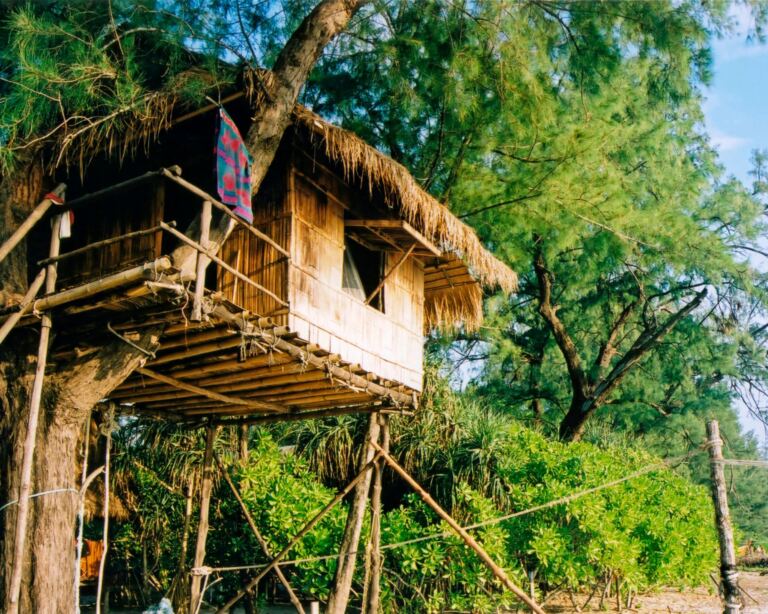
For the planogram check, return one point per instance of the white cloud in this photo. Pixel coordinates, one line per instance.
(727, 142)
(732, 49)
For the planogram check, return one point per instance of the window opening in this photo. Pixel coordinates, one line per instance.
(362, 273)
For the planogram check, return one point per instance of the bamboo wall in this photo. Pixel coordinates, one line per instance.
(388, 344)
(121, 213)
(259, 260)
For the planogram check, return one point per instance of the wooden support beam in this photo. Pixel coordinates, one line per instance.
(465, 536)
(397, 225)
(193, 337)
(342, 582)
(254, 384)
(227, 343)
(394, 268)
(208, 393)
(150, 269)
(296, 538)
(257, 534)
(206, 487)
(244, 278)
(27, 225)
(202, 262)
(728, 572)
(254, 373)
(227, 211)
(308, 415)
(25, 306)
(340, 373)
(25, 480)
(217, 364)
(117, 187)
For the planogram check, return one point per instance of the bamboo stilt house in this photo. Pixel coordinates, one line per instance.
(320, 304)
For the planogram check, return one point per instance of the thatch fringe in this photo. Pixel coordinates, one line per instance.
(446, 308)
(373, 170)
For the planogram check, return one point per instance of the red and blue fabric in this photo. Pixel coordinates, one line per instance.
(233, 166)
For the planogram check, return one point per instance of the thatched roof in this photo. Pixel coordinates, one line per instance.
(362, 164)
(372, 169)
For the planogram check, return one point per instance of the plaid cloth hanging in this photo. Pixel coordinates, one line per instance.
(233, 166)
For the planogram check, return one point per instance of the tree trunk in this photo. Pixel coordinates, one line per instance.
(573, 423)
(242, 443)
(291, 69)
(18, 199)
(337, 602)
(68, 397)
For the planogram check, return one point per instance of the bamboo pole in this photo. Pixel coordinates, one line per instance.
(81, 511)
(104, 243)
(105, 534)
(375, 561)
(311, 415)
(209, 393)
(342, 582)
(25, 481)
(202, 262)
(194, 244)
(466, 537)
(228, 212)
(297, 353)
(259, 538)
(34, 217)
(728, 572)
(394, 268)
(24, 307)
(107, 283)
(128, 183)
(206, 487)
(296, 538)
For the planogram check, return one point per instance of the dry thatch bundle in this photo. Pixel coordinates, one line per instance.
(370, 168)
(458, 302)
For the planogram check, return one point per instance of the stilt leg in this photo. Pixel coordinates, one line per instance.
(373, 551)
(206, 487)
(296, 538)
(337, 603)
(22, 515)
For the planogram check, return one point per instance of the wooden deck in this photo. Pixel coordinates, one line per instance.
(216, 360)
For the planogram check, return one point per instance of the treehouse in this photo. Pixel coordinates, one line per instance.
(316, 300)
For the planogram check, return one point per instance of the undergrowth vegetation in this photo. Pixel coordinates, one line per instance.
(653, 529)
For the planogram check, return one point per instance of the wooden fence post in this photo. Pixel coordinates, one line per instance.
(206, 486)
(728, 573)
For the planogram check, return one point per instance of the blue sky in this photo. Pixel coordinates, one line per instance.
(736, 113)
(736, 108)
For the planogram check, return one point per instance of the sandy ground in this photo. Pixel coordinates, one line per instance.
(671, 601)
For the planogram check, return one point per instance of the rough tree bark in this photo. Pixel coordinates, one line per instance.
(590, 390)
(69, 396)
